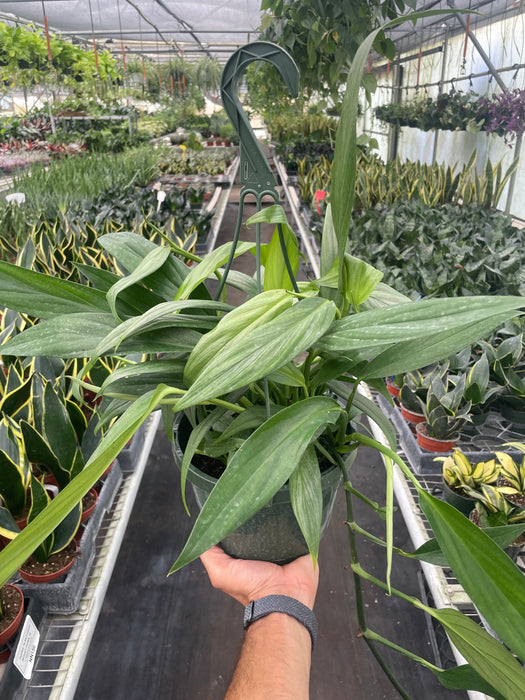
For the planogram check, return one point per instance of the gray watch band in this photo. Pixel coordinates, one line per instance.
(282, 604)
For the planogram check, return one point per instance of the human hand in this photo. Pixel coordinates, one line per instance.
(247, 580)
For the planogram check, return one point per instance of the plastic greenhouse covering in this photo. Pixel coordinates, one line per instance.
(192, 28)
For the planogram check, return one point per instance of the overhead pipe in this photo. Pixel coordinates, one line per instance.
(493, 70)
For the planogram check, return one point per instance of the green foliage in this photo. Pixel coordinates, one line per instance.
(323, 37)
(24, 59)
(207, 161)
(65, 184)
(446, 250)
(459, 472)
(446, 410)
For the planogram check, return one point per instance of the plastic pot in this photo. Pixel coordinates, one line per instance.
(52, 576)
(12, 629)
(433, 444)
(464, 504)
(412, 416)
(272, 534)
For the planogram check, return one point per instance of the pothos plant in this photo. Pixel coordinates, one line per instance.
(295, 343)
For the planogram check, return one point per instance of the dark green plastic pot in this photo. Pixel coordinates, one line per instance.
(272, 534)
(462, 503)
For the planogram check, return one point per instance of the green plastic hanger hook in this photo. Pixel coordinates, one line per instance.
(255, 173)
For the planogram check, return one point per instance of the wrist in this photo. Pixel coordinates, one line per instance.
(283, 605)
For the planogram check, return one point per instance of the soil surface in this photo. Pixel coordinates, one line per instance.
(53, 564)
(517, 498)
(11, 603)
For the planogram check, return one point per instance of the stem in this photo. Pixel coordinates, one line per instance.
(388, 673)
(175, 248)
(286, 258)
(391, 645)
(373, 504)
(356, 568)
(353, 549)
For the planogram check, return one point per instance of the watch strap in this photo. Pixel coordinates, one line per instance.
(281, 604)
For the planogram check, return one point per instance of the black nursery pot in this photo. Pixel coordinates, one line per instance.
(272, 534)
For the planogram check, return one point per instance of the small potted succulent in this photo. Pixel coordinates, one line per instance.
(446, 413)
(511, 481)
(414, 390)
(494, 510)
(460, 475)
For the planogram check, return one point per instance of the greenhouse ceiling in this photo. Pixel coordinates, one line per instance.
(159, 28)
(214, 28)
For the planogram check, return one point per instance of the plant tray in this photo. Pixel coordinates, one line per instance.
(478, 443)
(12, 682)
(63, 596)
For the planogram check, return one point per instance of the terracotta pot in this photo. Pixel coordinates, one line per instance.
(47, 578)
(87, 512)
(272, 534)
(433, 444)
(412, 416)
(12, 629)
(392, 388)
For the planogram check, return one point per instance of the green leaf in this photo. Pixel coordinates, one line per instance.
(464, 677)
(44, 296)
(58, 429)
(13, 486)
(485, 654)
(307, 499)
(431, 552)
(417, 333)
(209, 265)
(151, 263)
(130, 249)
(39, 452)
(234, 326)
(487, 574)
(162, 316)
(361, 280)
(131, 381)
(263, 350)
(276, 275)
(288, 375)
(17, 551)
(257, 471)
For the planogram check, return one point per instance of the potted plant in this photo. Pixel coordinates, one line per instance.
(494, 510)
(446, 412)
(297, 343)
(479, 391)
(459, 475)
(11, 614)
(414, 390)
(511, 481)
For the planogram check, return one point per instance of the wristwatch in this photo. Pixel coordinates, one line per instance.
(281, 604)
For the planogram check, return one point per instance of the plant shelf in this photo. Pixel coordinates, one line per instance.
(65, 639)
(444, 589)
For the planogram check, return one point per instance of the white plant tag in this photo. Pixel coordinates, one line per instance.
(25, 654)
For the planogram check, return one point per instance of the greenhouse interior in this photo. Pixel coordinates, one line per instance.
(289, 222)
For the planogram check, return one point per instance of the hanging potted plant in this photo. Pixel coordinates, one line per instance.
(446, 413)
(301, 341)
